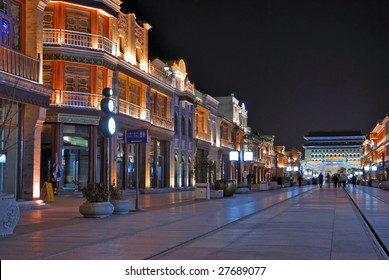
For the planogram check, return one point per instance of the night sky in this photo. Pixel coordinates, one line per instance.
(297, 65)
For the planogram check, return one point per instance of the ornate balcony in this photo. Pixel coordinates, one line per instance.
(203, 136)
(227, 144)
(189, 87)
(160, 75)
(18, 64)
(134, 111)
(162, 122)
(61, 37)
(78, 100)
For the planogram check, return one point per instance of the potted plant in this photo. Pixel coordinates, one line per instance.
(121, 205)
(96, 204)
(228, 186)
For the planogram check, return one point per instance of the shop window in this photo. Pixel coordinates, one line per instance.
(10, 17)
(134, 93)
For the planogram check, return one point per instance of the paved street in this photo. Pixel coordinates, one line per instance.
(291, 223)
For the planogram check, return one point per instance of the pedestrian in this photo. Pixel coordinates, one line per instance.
(300, 179)
(343, 180)
(328, 179)
(321, 179)
(354, 180)
(335, 179)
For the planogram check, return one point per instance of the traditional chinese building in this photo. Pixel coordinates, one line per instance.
(333, 151)
(23, 98)
(376, 151)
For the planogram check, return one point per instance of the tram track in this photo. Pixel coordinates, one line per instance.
(380, 244)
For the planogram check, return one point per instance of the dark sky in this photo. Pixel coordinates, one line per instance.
(297, 65)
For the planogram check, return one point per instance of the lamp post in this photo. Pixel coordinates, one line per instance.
(383, 166)
(108, 127)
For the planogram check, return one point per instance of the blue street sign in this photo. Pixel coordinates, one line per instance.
(136, 136)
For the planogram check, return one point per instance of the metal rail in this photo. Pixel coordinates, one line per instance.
(375, 236)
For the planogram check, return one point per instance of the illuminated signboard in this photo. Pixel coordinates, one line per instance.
(248, 156)
(234, 156)
(3, 158)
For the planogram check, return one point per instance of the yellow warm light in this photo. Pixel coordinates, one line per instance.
(57, 98)
(143, 115)
(143, 67)
(130, 58)
(36, 191)
(80, 6)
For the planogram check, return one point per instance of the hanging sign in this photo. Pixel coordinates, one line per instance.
(136, 136)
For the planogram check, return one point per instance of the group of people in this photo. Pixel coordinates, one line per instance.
(338, 180)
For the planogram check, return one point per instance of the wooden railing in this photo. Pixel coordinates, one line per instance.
(18, 64)
(61, 37)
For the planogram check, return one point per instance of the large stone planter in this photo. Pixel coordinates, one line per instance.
(263, 186)
(217, 193)
(384, 185)
(242, 190)
(9, 214)
(228, 186)
(121, 206)
(96, 209)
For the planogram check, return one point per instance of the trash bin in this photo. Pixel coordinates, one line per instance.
(202, 191)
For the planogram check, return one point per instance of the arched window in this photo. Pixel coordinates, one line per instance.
(176, 122)
(190, 128)
(183, 126)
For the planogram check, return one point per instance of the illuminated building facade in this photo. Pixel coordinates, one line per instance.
(86, 48)
(333, 151)
(184, 115)
(375, 156)
(236, 114)
(75, 50)
(23, 99)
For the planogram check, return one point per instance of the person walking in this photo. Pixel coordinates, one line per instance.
(328, 179)
(354, 181)
(321, 179)
(335, 179)
(342, 180)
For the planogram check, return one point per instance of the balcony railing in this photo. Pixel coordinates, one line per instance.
(189, 87)
(71, 99)
(61, 37)
(80, 100)
(162, 122)
(227, 144)
(18, 64)
(161, 75)
(134, 111)
(203, 136)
